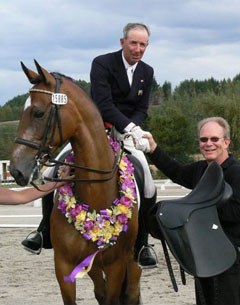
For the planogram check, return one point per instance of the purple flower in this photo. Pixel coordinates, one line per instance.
(70, 158)
(86, 236)
(66, 189)
(115, 145)
(116, 201)
(126, 201)
(100, 241)
(122, 218)
(74, 212)
(88, 225)
(128, 183)
(62, 206)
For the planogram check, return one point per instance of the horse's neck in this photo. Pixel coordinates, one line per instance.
(94, 151)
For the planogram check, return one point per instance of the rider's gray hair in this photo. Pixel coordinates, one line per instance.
(220, 121)
(131, 26)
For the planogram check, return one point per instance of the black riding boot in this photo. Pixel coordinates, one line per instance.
(142, 248)
(40, 238)
(149, 209)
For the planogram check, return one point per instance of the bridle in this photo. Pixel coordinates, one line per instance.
(54, 122)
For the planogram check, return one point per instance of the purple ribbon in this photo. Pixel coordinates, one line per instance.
(84, 264)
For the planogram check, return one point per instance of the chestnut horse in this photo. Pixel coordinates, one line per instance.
(56, 111)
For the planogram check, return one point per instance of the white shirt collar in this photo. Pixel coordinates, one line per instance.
(126, 64)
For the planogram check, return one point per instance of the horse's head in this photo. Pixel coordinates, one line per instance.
(42, 125)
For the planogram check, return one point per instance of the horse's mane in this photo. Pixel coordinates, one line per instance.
(65, 76)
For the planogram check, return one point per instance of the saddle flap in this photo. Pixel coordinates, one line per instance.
(201, 247)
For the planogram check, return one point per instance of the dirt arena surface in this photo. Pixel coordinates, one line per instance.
(27, 279)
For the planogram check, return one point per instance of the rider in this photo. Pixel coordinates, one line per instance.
(120, 87)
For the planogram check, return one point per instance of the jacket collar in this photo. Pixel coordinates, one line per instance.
(120, 74)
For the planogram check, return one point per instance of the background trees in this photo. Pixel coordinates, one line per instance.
(173, 114)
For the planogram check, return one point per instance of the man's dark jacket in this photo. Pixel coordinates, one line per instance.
(119, 103)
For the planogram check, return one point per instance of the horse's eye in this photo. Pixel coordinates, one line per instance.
(38, 114)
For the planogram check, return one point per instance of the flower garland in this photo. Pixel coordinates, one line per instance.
(104, 226)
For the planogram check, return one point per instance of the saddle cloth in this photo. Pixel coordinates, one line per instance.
(192, 230)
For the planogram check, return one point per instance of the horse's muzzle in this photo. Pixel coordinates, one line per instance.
(19, 177)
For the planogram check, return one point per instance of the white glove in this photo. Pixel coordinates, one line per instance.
(140, 142)
(137, 132)
(143, 145)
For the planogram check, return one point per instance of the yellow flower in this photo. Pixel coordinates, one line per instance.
(117, 228)
(71, 202)
(81, 216)
(122, 165)
(106, 223)
(122, 209)
(108, 230)
(107, 236)
(96, 230)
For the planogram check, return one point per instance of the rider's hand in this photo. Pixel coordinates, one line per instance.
(140, 142)
(137, 132)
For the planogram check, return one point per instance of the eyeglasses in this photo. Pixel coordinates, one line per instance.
(212, 139)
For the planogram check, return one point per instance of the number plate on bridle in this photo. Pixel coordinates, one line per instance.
(59, 99)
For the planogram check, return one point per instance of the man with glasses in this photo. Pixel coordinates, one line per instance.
(120, 86)
(214, 141)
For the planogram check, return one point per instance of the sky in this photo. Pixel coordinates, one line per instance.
(190, 39)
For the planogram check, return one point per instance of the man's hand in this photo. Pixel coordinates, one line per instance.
(152, 144)
(140, 142)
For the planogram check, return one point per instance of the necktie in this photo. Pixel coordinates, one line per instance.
(130, 75)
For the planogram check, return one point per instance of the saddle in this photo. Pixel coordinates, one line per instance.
(192, 230)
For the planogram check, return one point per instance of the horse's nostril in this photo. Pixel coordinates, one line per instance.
(18, 176)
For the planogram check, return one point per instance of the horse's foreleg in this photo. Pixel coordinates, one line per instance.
(96, 274)
(68, 290)
(115, 274)
(131, 293)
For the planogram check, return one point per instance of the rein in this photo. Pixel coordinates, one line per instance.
(117, 159)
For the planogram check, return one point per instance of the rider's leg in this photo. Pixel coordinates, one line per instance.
(145, 257)
(40, 238)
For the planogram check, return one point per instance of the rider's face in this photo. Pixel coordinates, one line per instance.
(134, 45)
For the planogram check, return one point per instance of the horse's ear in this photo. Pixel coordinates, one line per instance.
(44, 74)
(32, 76)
